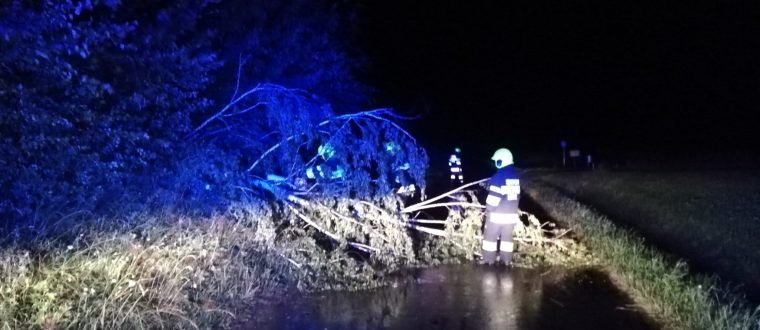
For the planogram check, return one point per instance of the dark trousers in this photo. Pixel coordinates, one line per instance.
(498, 232)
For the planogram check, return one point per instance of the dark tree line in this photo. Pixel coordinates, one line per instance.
(102, 101)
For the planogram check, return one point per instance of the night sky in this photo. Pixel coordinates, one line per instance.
(607, 76)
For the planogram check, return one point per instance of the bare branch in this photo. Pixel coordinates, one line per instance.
(270, 150)
(225, 108)
(436, 232)
(429, 206)
(239, 70)
(348, 118)
(246, 109)
(363, 247)
(418, 205)
(374, 207)
(396, 126)
(235, 100)
(313, 224)
(427, 221)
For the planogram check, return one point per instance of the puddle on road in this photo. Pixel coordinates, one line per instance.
(466, 297)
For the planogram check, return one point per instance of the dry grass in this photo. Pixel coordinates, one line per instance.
(164, 273)
(537, 244)
(182, 272)
(547, 244)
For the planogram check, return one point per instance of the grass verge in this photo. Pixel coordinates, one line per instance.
(163, 273)
(174, 271)
(664, 288)
(709, 218)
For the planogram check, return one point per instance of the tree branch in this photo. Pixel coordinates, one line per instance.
(429, 206)
(418, 205)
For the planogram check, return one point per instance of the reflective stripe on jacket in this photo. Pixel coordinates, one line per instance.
(503, 191)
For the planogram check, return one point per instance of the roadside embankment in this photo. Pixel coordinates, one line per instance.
(174, 270)
(664, 288)
(171, 271)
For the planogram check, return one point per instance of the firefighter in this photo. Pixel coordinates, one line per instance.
(402, 180)
(501, 208)
(329, 166)
(455, 167)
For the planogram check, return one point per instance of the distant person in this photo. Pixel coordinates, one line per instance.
(501, 209)
(589, 162)
(455, 167)
(456, 178)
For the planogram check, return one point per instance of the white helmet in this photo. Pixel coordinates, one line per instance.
(503, 155)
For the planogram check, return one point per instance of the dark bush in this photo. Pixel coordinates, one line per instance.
(95, 104)
(99, 100)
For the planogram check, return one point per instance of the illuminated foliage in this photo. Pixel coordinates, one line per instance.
(108, 114)
(99, 97)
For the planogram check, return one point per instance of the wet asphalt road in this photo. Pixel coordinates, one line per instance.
(466, 297)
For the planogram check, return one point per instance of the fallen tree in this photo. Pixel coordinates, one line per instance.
(345, 183)
(338, 174)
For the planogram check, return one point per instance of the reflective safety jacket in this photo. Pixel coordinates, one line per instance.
(455, 167)
(329, 169)
(503, 191)
(403, 181)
